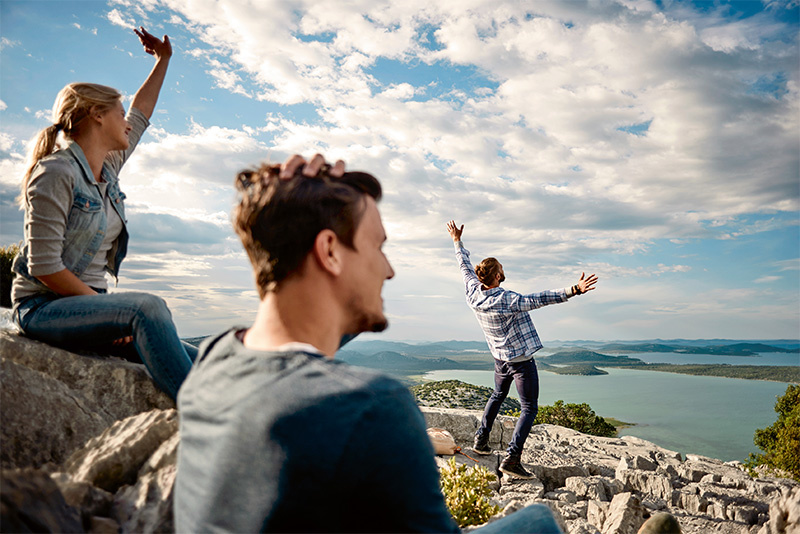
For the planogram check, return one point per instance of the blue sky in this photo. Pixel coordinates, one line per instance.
(653, 143)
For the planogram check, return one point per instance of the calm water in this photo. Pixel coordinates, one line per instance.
(711, 416)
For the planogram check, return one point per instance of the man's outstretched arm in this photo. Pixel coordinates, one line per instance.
(462, 255)
(519, 303)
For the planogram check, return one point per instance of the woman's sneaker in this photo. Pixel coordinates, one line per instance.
(481, 445)
(513, 466)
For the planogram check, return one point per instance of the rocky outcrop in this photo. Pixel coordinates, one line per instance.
(54, 400)
(104, 471)
(612, 485)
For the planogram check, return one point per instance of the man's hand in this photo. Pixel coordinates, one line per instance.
(586, 284)
(153, 45)
(310, 168)
(454, 231)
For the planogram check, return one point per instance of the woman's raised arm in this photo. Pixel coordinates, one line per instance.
(147, 95)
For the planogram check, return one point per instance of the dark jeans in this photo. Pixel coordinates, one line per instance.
(93, 322)
(526, 378)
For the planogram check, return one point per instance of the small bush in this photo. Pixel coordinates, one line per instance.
(466, 493)
(578, 417)
(6, 275)
(781, 441)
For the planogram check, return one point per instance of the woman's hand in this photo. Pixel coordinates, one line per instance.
(153, 45)
(146, 97)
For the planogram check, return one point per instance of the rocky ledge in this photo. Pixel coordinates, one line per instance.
(89, 445)
(612, 485)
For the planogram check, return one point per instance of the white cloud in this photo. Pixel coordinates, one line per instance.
(3, 106)
(7, 43)
(118, 19)
(563, 93)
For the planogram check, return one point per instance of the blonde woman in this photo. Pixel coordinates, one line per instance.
(75, 230)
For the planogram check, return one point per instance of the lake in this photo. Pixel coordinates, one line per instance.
(710, 416)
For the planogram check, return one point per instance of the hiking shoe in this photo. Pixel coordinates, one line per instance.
(513, 467)
(481, 445)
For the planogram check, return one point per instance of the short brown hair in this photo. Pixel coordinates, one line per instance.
(487, 270)
(278, 220)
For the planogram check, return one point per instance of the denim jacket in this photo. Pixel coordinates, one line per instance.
(86, 220)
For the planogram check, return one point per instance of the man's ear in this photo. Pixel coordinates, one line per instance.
(328, 252)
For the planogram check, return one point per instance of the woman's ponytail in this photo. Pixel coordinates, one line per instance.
(74, 103)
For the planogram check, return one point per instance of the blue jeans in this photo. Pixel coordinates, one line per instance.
(533, 519)
(93, 322)
(526, 378)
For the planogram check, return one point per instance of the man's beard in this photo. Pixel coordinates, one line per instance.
(364, 321)
(370, 323)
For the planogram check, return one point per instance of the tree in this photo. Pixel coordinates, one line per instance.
(578, 417)
(781, 441)
(6, 275)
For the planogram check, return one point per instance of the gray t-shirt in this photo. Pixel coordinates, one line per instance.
(295, 442)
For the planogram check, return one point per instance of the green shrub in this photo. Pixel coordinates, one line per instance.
(781, 441)
(578, 417)
(466, 493)
(6, 275)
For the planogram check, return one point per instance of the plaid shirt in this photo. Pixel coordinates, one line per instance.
(503, 315)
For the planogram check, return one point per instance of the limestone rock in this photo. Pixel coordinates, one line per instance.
(30, 501)
(581, 526)
(117, 387)
(146, 506)
(42, 420)
(55, 400)
(462, 424)
(647, 482)
(588, 488)
(90, 500)
(115, 457)
(625, 515)
(596, 513)
(784, 513)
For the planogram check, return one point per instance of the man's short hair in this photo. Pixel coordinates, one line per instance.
(487, 270)
(279, 220)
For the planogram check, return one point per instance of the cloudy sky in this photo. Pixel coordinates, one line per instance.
(654, 143)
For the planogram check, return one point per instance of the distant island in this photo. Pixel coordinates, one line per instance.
(736, 349)
(576, 360)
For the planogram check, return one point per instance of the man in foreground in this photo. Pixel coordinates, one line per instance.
(275, 434)
(512, 339)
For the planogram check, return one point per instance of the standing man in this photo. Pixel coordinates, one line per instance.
(277, 436)
(512, 339)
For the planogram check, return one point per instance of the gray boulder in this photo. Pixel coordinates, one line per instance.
(54, 400)
(114, 458)
(30, 501)
(42, 419)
